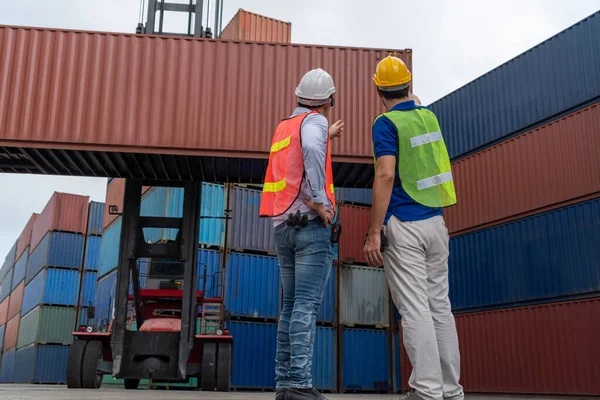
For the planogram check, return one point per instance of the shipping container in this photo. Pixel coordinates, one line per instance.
(549, 166)
(327, 309)
(65, 213)
(11, 333)
(252, 286)
(4, 311)
(2, 329)
(253, 361)
(213, 204)
(47, 325)
(538, 258)
(9, 261)
(105, 298)
(92, 253)
(248, 26)
(247, 230)
(57, 249)
(95, 218)
(16, 300)
(365, 360)
(20, 269)
(6, 286)
(364, 298)
(543, 349)
(41, 364)
(526, 90)
(7, 367)
(114, 112)
(52, 287)
(109, 249)
(211, 259)
(25, 236)
(153, 205)
(355, 225)
(88, 289)
(324, 363)
(397, 378)
(354, 196)
(115, 191)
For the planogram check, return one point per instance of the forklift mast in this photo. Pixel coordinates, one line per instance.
(193, 9)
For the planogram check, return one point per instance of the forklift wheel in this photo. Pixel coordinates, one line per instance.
(132, 384)
(75, 363)
(224, 367)
(90, 378)
(209, 367)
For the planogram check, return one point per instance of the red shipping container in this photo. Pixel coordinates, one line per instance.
(545, 349)
(249, 26)
(547, 168)
(16, 300)
(25, 236)
(355, 225)
(64, 212)
(114, 196)
(4, 311)
(11, 333)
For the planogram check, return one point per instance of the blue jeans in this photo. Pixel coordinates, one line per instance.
(305, 258)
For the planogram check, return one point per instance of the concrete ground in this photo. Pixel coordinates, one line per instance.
(43, 392)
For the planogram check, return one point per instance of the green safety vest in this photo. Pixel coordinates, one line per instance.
(423, 165)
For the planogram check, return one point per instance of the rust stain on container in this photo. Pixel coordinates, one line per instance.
(4, 311)
(12, 333)
(545, 349)
(25, 236)
(537, 171)
(16, 300)
(248, 26)
(89, 91)
(355, 225)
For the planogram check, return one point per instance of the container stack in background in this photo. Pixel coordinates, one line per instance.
(524, 254)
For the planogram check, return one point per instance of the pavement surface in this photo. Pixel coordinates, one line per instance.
(47, 392)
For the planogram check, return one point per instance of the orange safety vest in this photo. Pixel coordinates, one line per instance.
(286, 169)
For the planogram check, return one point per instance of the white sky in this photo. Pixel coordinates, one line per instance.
(453, 42)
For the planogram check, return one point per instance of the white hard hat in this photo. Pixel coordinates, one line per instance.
(315, 88)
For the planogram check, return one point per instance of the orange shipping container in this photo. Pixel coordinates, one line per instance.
(11, 333)
(248, 26)
(114, 197)
(540, 170)
(4, 311)
(25, 237)
(16, 300)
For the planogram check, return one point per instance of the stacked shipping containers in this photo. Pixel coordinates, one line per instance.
(524, 234)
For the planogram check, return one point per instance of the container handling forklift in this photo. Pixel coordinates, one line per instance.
(165, 347)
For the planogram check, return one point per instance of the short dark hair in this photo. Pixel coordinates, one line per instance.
(310, 107)
(396, 94)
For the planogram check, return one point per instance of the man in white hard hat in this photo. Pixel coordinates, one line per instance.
(298, 195)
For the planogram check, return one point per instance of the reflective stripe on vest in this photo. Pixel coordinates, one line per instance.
(423, 162)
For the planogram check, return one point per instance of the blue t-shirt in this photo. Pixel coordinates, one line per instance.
(385, 143)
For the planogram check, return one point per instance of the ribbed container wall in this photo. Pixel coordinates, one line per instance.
(11, 333)
(363, 296)
(324, 371)
(526, 90)
(247, 25)
(354, 196)
(20, 269)
(548, 167)
(88, 290)
(2, 330)
(397, 382)
(95, 218)
(252, 286)
(9, 261)
(247, 230)
(7, 366)
(327, 309)
(41, 364)
(115, 191)
(57, 249)
(16, 300)
(213, 204)
(253, 355)
(211, 259)
(109, 249)
(64, 212)
(25, 237)
(546, 349)
(355, 225)
(153, 205)
(53, 287)
(6, 285)
(365, 360)
(47, 325)
(4, 311)
(105, 297)
(546, 256)
(92, 253)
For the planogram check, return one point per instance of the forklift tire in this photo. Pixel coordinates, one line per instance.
(75, 363)
(132, 384)
(209, 367)
(90, 378)
(224, 368)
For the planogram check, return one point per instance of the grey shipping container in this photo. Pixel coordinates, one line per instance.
(364, 296)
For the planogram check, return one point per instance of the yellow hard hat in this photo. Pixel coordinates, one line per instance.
(391, 74)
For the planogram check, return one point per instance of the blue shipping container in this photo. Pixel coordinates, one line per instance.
(7, 366)
(397, 384)
(153, 205)
(247, 230)
(543, 257)
(6, 286)
(9, 261)
(92, 253)
(56, 249)
(20, 269)
(327, 309)
(252, 286)
(365, 360)
(526, 90)
(354, 196)
(2, 330)
(324, 359)
(211, 259)
(95, 218)
(88, 290)
(105, 298)
(109, 248)
(51, 287)
(253, 354)
(41, 364)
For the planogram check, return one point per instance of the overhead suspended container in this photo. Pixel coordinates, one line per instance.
(57, 249)
(248, 26)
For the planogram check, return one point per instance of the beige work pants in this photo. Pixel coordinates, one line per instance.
(416, 268)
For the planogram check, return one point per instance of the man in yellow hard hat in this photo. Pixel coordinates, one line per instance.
(413, 182)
